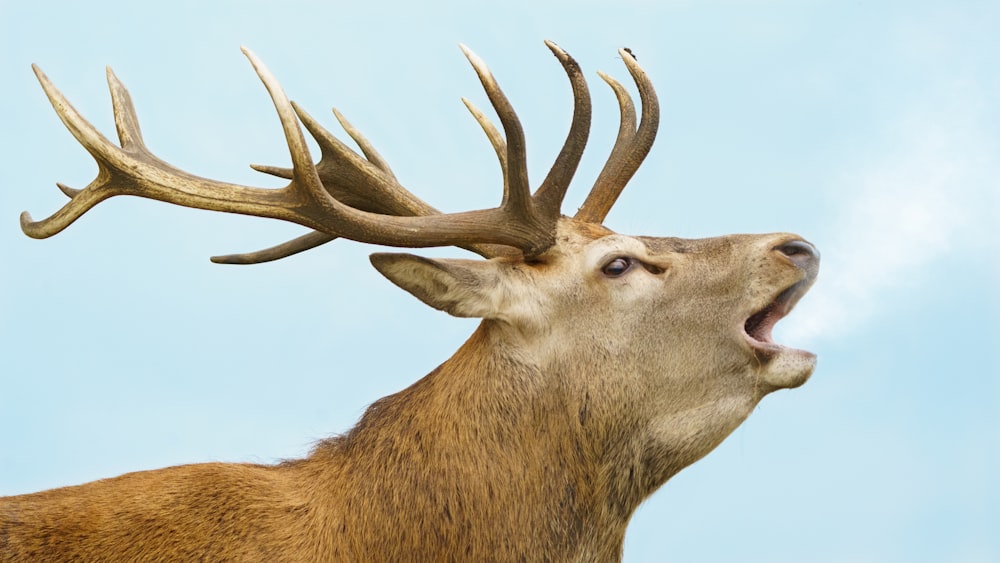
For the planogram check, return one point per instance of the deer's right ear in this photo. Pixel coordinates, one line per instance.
(463, 288)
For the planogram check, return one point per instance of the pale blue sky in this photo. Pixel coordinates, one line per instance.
(872, 129)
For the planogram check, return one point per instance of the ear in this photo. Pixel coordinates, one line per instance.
(463, 288)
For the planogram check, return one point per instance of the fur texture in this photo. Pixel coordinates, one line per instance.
(582, 391)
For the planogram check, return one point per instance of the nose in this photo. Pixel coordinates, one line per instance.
(801, 253)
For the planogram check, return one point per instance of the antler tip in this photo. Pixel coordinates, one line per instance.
(29, 227)
(66, 190)
(254, 60)
(472, 56)
(556, 49)
(277, 171)
(39, 74)
(112, 78)
(234, 259)
(610, 80)
(628, 57)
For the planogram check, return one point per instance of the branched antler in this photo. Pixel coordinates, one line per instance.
(359, 198)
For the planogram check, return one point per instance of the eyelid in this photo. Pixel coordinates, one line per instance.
(629, 263)
(614, 255)
(652, 268)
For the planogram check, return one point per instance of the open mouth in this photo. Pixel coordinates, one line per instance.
(758, 326)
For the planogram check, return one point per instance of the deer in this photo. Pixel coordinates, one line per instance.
(603, 364)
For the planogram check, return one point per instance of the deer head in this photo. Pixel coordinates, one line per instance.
(604, 364)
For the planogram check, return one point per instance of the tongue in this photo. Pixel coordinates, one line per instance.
(760, 324)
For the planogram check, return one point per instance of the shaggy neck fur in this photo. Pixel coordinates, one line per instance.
(486, 454)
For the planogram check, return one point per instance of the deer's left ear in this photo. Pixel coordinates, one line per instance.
(463, 288)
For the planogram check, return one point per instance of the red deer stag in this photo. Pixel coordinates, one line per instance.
(604, 363)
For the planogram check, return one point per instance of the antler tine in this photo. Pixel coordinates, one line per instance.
(627, 126)
(126, 121)
(631, 146)
(276, 171)
(496, 139)
(366, 147)
(304, 174)
(67, 191)
(517, 191)
(284, 250)
(550, 194)
(599, 201)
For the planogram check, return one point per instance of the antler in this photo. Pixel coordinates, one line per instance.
(345, 195)
(631, 146)
(399, 202)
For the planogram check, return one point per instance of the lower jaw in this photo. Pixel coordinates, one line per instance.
(786, 368)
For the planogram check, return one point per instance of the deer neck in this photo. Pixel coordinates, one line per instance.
(487, 438)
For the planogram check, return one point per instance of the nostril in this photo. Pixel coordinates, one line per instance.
(800, 252)
(796, 247)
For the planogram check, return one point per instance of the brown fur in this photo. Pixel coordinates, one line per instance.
(575, 399)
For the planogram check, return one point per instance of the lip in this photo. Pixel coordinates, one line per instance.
(758, 326)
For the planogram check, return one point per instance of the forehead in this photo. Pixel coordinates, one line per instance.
(577, 235)
(578, 232)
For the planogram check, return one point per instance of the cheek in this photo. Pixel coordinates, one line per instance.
(685, 332)
(535, 309)
(529, 316)
(637, 291)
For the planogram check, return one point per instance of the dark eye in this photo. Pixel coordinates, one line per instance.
(616, 267)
